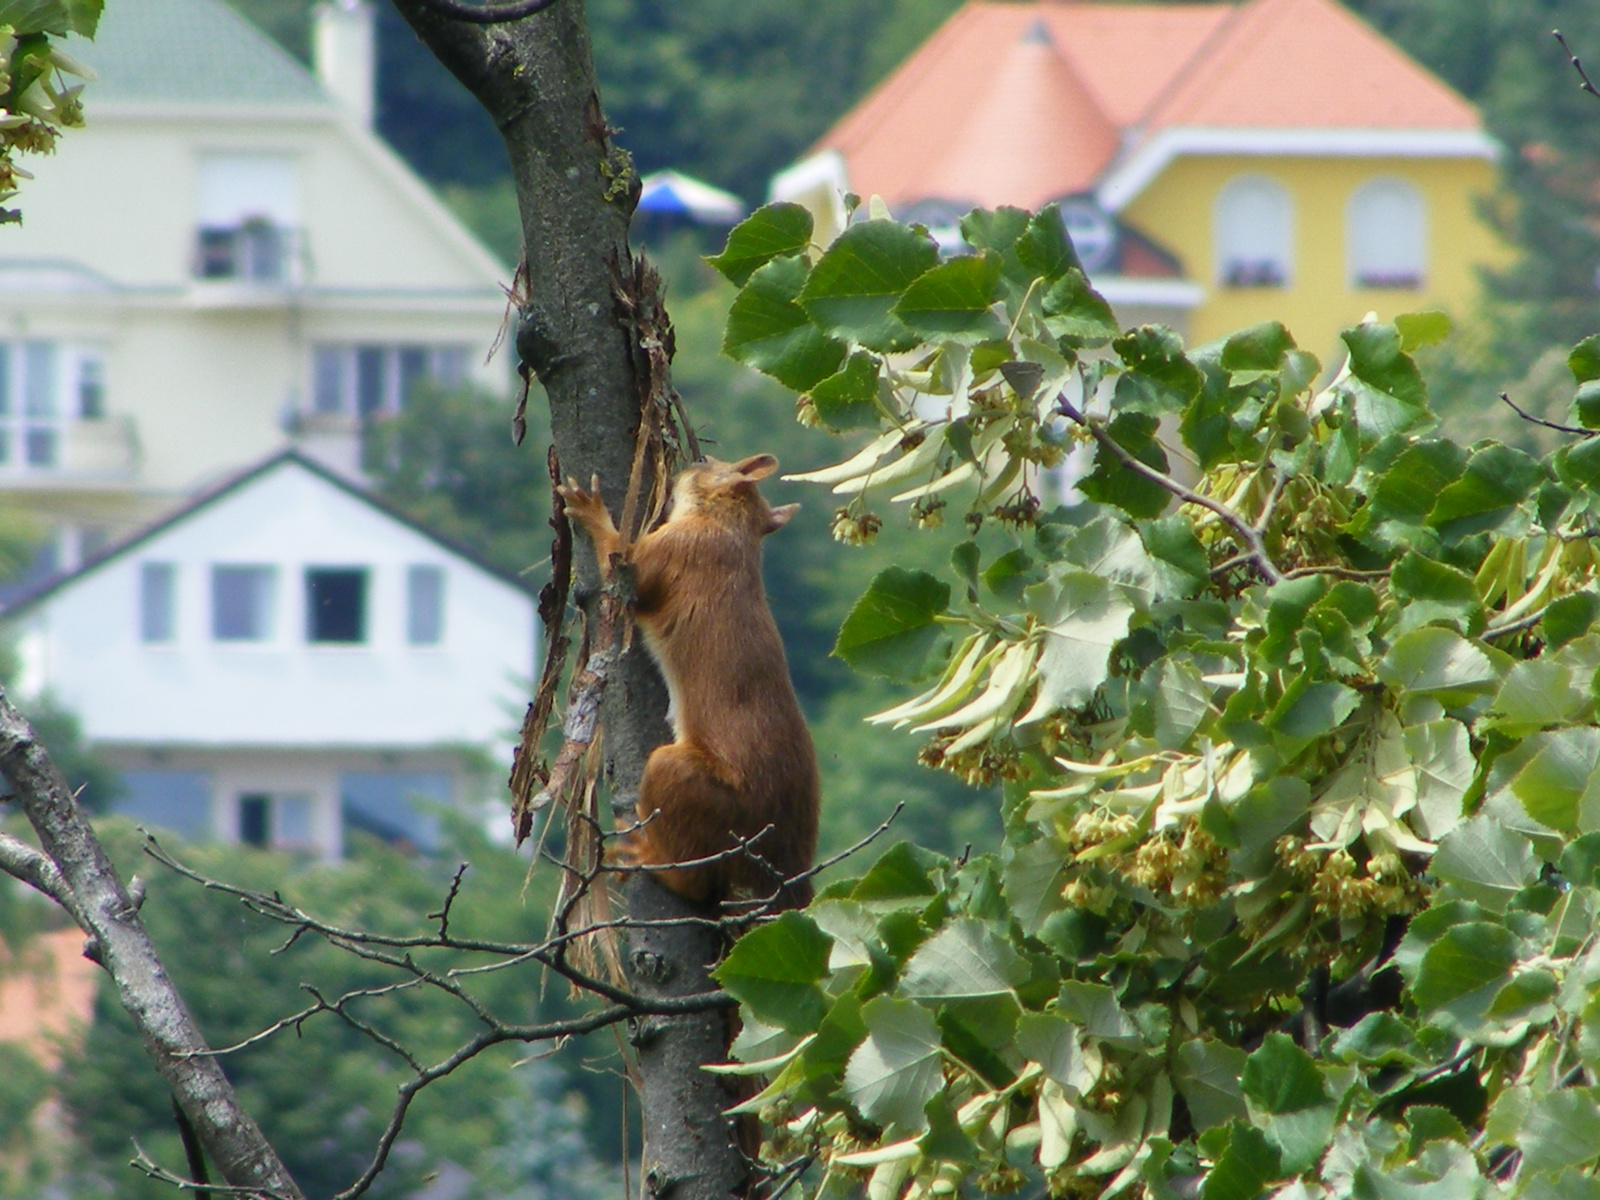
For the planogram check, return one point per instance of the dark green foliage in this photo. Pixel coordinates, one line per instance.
(322, 1094)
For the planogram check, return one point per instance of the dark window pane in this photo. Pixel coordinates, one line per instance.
(240, 603)
(400, 807)
(41, 447)
(424, 606)
(264, 248)
(157, 602)
(39, 379)
(413, 370)
(336, 604)
(91, 389)
(254, 810)
(327, 385)
(218, 257)
(370, 389)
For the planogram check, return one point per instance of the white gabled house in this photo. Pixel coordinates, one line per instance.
(285, 657)
(225, 261)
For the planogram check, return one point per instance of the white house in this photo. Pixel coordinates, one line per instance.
(226, 261)
(282, 657)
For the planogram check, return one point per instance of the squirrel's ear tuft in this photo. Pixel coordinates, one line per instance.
(779, 517)
(757, 466)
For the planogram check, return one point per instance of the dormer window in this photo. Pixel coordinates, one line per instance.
(248, 219)
(375, 380)
(1254, 233)
(1386, 235)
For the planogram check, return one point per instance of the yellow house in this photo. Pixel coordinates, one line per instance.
(1217, 164)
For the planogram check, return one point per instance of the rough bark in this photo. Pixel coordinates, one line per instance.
(577, 191)
(97, 900)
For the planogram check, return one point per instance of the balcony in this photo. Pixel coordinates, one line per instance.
(249, 264)
(68, 454)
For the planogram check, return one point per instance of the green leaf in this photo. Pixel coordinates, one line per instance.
(773, 970)
(1461, 972)
(1435, 593)
(1073, 309)
(1431, 1123)
(1310, 710)
(1485, 861)
(772, 231)
(1409, 489)
(1586, 404)
(1207, 1074)
(1282, 1078)
(1083, 618)
(1093, 1008)
(1182, 563)
(852, 291)
(1052, 1042)
(1561, 1130)
(1569, 618)
(999, 230)
(1585, 359)
(1438, 662)
(1421, 329)
(1379, 1039)
(1496, 480)
(767, 330)
(892, 629)
(1034, 876)
(58, 17)
(896, 1070)
(953, 300)
(1160, 378)
(1441, 754)
(848, 399)
(1258, 348)
(1044, 247)
(964, 958)
(1244, 1168)
(1385, 386)
(1113, 483)
(1551, 784)
(902, 872)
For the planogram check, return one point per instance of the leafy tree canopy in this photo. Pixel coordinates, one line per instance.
(1294, 710)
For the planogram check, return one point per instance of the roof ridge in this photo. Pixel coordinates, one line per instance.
(206, 496)
(1201, 52)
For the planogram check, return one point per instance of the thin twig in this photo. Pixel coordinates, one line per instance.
(488, 14)
(143, 1163)
(1247, 533)
(1576, 65)
(1559, 428)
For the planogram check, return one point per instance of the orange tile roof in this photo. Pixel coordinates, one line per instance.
(1020, 103)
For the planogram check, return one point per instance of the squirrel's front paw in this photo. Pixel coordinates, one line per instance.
(584, 505)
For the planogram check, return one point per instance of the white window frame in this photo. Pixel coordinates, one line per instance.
(37, 406)
(369, 379)
(1386, 235)
(1253, 233)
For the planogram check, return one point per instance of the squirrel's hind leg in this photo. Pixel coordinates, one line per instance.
(686, 811)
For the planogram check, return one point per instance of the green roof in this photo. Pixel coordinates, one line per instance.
(189, 52)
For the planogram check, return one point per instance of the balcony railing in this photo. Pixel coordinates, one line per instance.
(256, 253)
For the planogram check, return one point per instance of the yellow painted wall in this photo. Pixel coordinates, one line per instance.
(1176, 210)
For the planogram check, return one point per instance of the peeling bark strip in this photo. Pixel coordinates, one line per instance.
(106, 912)
(602, 352)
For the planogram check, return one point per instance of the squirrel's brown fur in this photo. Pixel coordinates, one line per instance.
(742, 765)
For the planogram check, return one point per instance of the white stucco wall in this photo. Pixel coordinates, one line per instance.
(83, 641)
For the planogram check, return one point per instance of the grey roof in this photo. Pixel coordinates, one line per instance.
(189, 52)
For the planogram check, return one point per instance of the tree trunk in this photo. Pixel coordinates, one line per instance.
(577, 192)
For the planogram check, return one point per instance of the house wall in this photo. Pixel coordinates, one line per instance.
(203, 377)
(83, 642)
(1178, 206)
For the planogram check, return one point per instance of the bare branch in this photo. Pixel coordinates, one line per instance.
(143, 1163)
(487, 14)
(22, 861)
(1576, 65)
(1255, 548)
(1528, 416)
(110, 915)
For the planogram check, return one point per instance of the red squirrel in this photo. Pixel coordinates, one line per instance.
(742, 765)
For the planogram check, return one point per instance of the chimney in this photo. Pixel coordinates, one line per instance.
(344, 49)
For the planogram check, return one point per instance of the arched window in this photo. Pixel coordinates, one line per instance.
(1254, 233)
(1386, 235)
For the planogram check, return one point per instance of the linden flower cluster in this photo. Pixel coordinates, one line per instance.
(855, 529)
(1382, 887)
